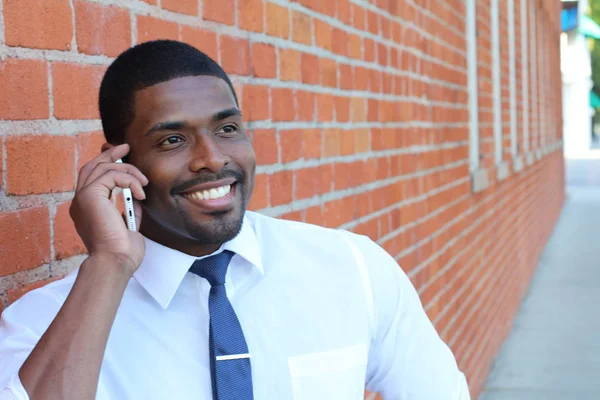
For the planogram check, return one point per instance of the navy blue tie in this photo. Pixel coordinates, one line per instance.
(229, 357)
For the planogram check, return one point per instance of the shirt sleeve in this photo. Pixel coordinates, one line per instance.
(407, 360)
(21, 326)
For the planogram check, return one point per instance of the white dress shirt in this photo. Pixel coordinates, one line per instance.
(325, 313)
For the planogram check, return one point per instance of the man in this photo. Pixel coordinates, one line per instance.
(208, 301)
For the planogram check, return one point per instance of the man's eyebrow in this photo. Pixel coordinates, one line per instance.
(177, 125)
(164, 126)
(223, 114)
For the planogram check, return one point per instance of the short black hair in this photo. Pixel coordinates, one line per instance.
(144, 65)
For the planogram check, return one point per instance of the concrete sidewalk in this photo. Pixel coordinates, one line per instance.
(553, 351)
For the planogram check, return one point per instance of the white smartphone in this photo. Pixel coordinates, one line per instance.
(128, 200)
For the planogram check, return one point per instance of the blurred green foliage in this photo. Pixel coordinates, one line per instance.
(594, 13)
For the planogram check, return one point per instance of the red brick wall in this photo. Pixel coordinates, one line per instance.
(358, 111)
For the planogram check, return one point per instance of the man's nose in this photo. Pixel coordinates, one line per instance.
(208, 155)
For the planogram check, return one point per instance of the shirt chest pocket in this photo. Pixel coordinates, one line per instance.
(330, 375)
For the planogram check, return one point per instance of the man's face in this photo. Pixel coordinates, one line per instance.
(188, 138)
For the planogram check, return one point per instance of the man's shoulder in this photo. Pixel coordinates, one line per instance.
(305, 236)
(56, 291)
(37, 308)
(267, 225)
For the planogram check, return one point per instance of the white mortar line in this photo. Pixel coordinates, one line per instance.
(74, 29)
(2, 27)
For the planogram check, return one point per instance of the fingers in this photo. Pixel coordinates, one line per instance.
(108, 156)
(102, 167)
(137, 210)
(113, 178)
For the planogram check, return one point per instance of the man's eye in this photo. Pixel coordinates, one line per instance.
(170, 140)
(228, 129)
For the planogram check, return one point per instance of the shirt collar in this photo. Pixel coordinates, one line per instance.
(163, 269)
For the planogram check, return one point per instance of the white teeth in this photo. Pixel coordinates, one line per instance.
(210, 194)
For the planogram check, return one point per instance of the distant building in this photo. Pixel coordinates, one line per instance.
(576, 70)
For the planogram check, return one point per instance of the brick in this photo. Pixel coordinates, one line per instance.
(328, 71)
(15, 294)
(373, 110)
(281, 186)
(40, 164)
(362, 141)
(278, 21)
(38, 24)
(310, 68)
(325, 107)
(291, 145)
(255, 103)
(67, 242)
(358, 14)
(265, 146)
(260, 195)
(343, 12)
(373, 22)
(306, 105)
(23, 89)
(264, 60)
(355, 46)
(89, 146)
(289, 65)
(347, 143)
(219, 11)
(203, 40)
(339, 40)
(151, 28)
(282, 104)
(313, 181)
(346, 76)
(369, 50)
(24, 239)
(314, 215)
(323, 35)
(375, 81)
(382, 54)
(75, 90)
(101, 29)
(1, 164)
(292, 216)
(331, 142)
(312, 143)
(250, 14)
(342, 108)
(336, 212)
(358, 110)
(235, 55)
(302, 28)
(361, 78)
(325, 7)
(189, 7)
(369, 228)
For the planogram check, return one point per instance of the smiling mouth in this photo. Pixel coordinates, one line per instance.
(209, 194)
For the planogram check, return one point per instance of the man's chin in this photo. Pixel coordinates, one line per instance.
(217, 230)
